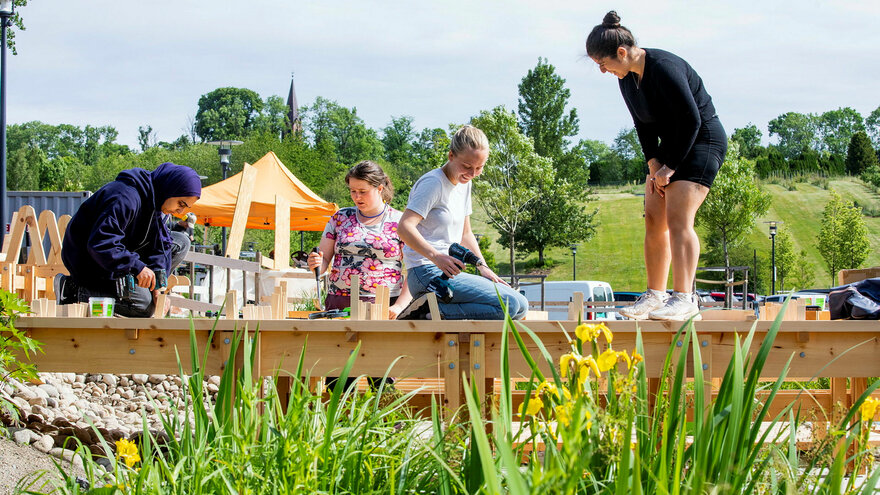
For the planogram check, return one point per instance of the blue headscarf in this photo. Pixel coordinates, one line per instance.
(172, 181)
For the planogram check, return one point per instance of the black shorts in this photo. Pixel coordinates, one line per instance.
(706, 156)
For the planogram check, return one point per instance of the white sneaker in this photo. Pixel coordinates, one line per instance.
(649, 301)
(680, 306)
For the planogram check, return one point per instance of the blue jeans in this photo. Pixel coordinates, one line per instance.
(473, 297)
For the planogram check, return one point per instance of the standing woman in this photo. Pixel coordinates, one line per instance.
(438, 215)
(362, 240)
(684, 144)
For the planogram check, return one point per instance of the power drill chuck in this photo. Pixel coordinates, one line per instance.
(441, 285)
(125, 285)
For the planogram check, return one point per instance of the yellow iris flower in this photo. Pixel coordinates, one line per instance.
(869, 408)
(127, 451)
(565, 363)
(607, 360)
(535, 405)
(625, 356)
(589, 333)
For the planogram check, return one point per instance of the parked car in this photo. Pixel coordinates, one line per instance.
(563, 291)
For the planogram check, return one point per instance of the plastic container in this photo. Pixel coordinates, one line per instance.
(101, 306)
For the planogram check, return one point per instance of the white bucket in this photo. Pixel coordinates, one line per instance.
(101, 306)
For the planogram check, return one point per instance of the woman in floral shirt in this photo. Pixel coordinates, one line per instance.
(362, 240)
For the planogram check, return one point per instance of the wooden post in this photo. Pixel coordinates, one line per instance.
(576, 307)
(355, 298)
(282, 232)
(242, 208)
(451, 374)
(230, 307)
(477, 370)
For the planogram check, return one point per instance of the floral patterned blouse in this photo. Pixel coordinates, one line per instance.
(374, 252)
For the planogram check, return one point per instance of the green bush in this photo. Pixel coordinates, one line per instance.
(13, 344)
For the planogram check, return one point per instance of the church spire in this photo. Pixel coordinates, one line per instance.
(292, 111)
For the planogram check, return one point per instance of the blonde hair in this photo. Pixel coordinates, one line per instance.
(468, 138)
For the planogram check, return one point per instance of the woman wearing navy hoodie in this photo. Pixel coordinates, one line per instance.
(120, 230)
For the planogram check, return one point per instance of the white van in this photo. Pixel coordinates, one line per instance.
(558, 294)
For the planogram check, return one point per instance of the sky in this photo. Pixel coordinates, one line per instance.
(130, 63)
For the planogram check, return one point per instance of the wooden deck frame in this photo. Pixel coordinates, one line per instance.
(445, 349)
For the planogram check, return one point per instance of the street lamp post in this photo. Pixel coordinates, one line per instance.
(225, 151)
(773, 230)
(574, 251)
(7, 10)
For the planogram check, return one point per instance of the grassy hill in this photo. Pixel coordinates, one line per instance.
(615, 253)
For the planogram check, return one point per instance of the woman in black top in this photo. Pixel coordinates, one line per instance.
(684, 145)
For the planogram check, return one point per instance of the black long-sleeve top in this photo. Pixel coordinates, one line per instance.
(668, 106)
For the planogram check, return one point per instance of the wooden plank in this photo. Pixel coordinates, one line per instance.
(282, 232)
(48, 225)
(192, 305)
(242, 208)
(230, 306)
(354, 302)
(845, 277)
(576, 306)
(434, 307)
(729, 314)
(451, 374)
(36, 255)
(477, 368)
(533, 315)
(220, 261)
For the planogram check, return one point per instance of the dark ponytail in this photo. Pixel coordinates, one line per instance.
(605, 38)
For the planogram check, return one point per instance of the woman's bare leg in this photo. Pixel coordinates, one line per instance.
(683, 199)
(657, 251)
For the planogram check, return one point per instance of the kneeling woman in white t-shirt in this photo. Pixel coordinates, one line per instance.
(438, 215)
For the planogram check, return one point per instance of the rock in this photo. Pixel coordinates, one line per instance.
(155, 379)
(213, 388)
(23, 436)
(214, 379)
(37, 401)
(44, 444)
(127, 394)
(50, 390)
(140, 379)
(51, 403)
(124, 381)
(68, 456)
(68, 377)
(110, 380)
(78, 386)
(105, 463)
(160, 388)
(25, 393)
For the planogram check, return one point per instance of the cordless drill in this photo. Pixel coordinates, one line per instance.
(441, 285)
(125, 285)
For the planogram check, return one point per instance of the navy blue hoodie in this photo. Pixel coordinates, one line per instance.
(119, 230)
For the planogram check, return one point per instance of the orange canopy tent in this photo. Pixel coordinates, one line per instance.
(307, 210)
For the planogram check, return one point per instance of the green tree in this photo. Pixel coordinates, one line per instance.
(18, 23)
(733, 204)
(836, 128)
(628, 149)
(61, 174)
(749, 139)
(23, 170)
(512, 177)
(227, 113)
(340, 131)
(795, 132)
(146, 138)
(397, 139)
(843, 238)
(272, 119)
(860, 156)
(772, 162)
(785, 257)
(803, 273)
(542, 115)
(872, 126)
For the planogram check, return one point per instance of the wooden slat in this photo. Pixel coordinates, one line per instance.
(242, 208)
(282, 232)
(222, 262)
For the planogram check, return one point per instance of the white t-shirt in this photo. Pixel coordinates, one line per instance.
(443, 207)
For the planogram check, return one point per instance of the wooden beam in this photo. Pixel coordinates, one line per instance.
(282, 232)
(242, 208)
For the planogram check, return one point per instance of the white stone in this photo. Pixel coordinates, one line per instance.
(44, 444)
(213, 388)
(215, 379)
(81, 378)
(154, 379)
(50, 390)
(140, 379)
(37, 401)
(110, 380)
(23, 436)
(78, 385)
(68, 377)
(124, 381)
